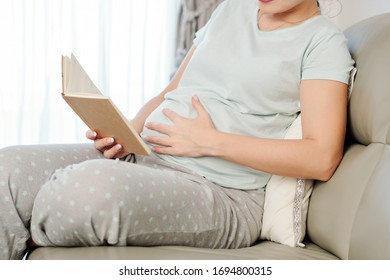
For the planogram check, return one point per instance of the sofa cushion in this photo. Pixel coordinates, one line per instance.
(266, 250)
(369, 43)
(350, 214)
(333, 205)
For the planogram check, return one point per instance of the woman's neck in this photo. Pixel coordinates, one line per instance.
(287, 18)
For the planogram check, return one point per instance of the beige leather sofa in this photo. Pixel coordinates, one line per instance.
(349, 216)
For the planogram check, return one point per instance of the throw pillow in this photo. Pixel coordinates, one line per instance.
(286, 203)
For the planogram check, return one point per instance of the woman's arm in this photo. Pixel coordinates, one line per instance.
(316, 156)
(108, 146)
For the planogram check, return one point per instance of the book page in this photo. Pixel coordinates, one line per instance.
(75, 79)
(87, 95)
(65, 72)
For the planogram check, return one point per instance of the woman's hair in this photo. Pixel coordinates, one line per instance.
(331, 8)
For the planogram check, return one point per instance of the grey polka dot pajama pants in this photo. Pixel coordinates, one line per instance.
(73, 197)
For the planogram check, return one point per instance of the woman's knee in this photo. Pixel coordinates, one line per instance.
(74, 202)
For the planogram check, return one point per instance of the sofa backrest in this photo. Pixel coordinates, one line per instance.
(350, 214)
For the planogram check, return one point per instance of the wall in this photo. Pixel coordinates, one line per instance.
(356, 10)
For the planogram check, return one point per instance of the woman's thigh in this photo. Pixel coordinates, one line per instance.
(147, 203)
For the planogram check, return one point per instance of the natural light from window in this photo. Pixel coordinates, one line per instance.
(126, 46)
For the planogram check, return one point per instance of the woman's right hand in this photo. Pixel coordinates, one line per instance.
(107, 145)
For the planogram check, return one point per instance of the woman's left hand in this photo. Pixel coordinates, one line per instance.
(185, 137)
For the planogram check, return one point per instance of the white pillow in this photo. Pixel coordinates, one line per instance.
(286, 203)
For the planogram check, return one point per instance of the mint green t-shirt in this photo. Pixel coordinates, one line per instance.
(248, 80)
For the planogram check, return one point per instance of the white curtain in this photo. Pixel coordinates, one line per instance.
(126, 46)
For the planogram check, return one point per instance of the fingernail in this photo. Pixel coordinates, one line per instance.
(119, 146)
(94, 134)
(110, 140)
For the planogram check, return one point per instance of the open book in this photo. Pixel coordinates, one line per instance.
(97, 111)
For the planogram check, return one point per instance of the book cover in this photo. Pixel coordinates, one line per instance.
(97, 111)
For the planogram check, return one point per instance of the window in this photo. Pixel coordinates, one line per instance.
(126, 46)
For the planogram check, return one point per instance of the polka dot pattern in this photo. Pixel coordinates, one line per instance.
(146, 203)
(23, 171)
(72, 196)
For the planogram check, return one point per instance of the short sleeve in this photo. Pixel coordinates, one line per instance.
(201, 33)
(328, 59)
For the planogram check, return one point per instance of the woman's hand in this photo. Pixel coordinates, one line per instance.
(107, 145)
(186, 137)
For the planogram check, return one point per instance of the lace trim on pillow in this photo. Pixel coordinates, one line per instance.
(297, 211)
